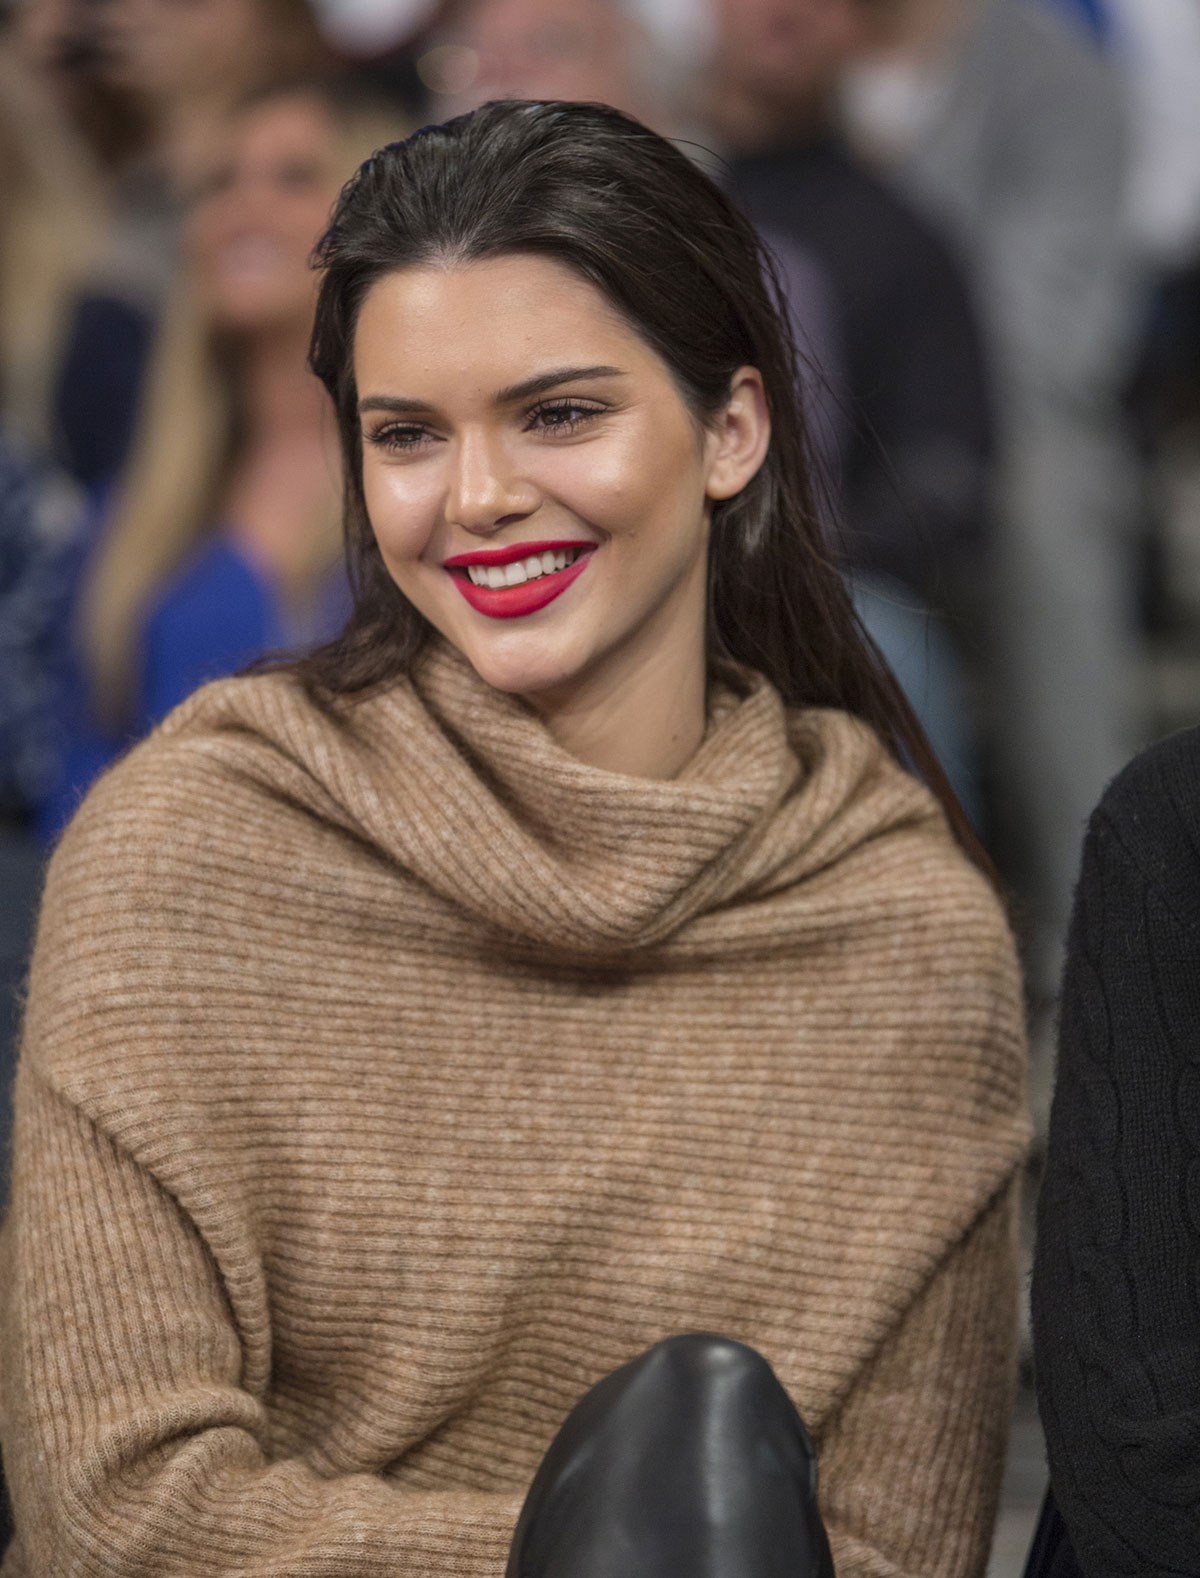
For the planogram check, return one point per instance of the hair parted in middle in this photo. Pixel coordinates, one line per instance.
(624, 208)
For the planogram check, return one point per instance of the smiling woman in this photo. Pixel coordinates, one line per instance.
(601, 462)
(561, 964)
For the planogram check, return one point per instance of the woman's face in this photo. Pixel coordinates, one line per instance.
(537, 487)
(256, 219)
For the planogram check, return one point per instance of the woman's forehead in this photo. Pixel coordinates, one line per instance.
(489, 321)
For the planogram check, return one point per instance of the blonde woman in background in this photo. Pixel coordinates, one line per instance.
(147, 86)
(222, 542)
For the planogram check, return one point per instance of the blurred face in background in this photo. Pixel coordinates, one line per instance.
(254, 223)
(58, 40)
(161, 49)
(788, 55)
(536, 49)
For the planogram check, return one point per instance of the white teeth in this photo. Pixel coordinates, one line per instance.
(531, 569)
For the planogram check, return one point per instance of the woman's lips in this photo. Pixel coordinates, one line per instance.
(513, 602)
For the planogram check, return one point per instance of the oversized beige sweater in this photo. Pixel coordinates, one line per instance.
(389, 1077)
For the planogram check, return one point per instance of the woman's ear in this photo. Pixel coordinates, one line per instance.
(739, 436)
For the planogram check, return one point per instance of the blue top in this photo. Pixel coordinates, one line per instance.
(218, 613)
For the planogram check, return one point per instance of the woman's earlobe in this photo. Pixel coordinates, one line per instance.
(743, 436)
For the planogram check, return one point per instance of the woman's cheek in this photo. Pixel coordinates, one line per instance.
(607, 485)
(403, 511)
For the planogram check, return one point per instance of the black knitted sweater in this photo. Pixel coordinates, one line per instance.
(1116, 1290)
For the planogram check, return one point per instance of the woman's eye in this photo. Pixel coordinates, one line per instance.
(562, 416)
(399, 437)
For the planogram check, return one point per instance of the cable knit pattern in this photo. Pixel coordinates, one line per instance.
(389, 1076)
(1117, 1277)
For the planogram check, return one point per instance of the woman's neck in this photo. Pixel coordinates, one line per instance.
(643, 711)
(282, 494)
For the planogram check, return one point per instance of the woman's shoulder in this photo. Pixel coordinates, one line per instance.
(185, 861)
(216, 776)
(920, 930)
(889, 826)
(886, 869)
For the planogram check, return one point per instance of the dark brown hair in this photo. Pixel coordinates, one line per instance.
(625, 209)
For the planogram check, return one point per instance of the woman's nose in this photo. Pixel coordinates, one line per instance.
(486, 488)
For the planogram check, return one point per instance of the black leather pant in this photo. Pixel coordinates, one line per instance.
(689, 1462)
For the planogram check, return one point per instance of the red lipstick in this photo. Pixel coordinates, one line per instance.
(512, 602)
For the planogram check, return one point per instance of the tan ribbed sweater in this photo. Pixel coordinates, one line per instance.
(390, 1077)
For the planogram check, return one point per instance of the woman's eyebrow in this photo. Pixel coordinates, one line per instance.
(520, 391)
(549, 380)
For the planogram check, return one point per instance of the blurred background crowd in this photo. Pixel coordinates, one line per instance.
(985, 220)
(985, 216)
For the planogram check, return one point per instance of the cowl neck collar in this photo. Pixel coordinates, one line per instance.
(465, 788)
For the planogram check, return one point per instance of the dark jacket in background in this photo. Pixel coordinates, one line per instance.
(919, 421)
(98, 387)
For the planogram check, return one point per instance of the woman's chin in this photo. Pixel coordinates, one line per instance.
(522, 663)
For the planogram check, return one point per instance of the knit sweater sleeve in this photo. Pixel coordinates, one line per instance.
(132, 1445)
(918, 1448)
(1116, 1291)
